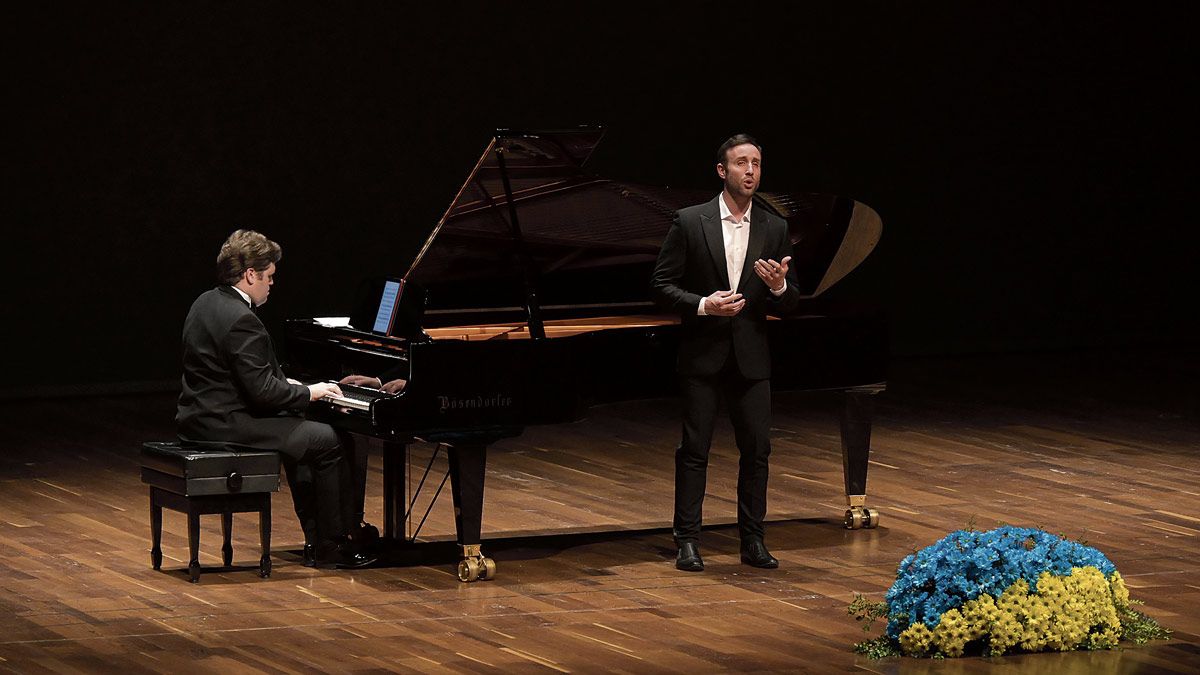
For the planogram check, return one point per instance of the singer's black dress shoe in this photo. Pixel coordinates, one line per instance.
(688, 559)
(755, 554)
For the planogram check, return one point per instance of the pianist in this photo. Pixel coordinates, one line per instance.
(235, 392)
(704, 274)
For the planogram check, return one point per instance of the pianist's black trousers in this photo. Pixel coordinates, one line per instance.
(316, 468)
(354, 481)
(749, 404)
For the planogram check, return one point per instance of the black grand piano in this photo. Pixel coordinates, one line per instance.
(533, 289)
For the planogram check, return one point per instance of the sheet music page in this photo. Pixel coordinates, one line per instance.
(333, 321)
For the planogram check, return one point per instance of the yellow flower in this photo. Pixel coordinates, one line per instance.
(916, 639)
(1119, 592)
(950, 635)
(1079, 610)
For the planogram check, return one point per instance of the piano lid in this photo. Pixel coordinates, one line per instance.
(535, 164)
(591, 240)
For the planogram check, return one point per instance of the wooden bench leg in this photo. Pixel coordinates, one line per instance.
(155, 530)
(264, 534)
(194, 546)
(227, 532)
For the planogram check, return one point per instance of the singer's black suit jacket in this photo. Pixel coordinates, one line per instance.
(691, 265)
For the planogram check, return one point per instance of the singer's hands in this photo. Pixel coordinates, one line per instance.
(772, 273)
(724, 303)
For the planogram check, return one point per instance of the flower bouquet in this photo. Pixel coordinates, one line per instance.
(1004, 590)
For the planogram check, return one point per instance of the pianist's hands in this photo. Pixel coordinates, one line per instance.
(362, 381)
(391, 386)
(724, 303)
(394, 386)
(773, 273)
(320, 390)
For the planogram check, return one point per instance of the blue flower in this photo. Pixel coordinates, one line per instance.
(964, 565)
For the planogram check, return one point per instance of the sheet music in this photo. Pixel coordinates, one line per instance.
(333, 321)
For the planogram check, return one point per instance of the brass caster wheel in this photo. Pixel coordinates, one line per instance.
(194, 572)
(872, 517)
(489, 569)
(264, 567)
(156, 559)
(468, 569)
(854, 519)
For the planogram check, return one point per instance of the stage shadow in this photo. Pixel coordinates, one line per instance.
(625, 546)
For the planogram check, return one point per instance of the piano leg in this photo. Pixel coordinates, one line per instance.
(395, 505)
(467, 464)
(856, 451)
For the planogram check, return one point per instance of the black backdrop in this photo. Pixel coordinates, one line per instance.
(1027, 162)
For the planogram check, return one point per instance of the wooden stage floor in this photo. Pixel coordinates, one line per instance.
(1101, 447)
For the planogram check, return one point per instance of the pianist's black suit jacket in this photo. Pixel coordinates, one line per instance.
(691, 265)
(233, 387)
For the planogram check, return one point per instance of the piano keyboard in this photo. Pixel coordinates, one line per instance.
(356, 398)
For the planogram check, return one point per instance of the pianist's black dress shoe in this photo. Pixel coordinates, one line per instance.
(310, 555)
(365, 535)
(688, 559)
(343, 557)
(755, 554)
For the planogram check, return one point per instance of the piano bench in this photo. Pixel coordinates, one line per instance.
(209, 478)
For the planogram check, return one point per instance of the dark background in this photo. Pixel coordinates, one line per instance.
(1028, 162)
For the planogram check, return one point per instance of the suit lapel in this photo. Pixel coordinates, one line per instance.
(754, 247)
(228, 290)
(710, 222)
(236, 297)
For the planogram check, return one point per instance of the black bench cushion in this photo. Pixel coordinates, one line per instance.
(205, 469)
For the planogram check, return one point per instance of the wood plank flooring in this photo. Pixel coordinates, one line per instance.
(1101, 447)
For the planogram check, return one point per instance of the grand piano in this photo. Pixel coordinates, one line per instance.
(533, 289)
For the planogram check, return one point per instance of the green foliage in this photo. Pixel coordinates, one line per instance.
(1139, 628)
(865, 610)
(879, 648)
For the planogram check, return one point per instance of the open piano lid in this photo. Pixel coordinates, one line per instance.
(590, 240)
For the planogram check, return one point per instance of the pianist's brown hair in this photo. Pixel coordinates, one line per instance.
(243, 250)
(733, 142)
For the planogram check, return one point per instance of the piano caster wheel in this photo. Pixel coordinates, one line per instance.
(194, 571)
(468, 569)
(489, 569)
(853, 519)
(264, 566)
(858, 518)
(156, 559)
(476, 567)
(872, 518)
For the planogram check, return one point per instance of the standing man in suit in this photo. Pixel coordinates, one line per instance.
(235, 392)
(724, 267)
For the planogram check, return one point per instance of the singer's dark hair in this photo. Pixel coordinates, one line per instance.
(733, 142)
